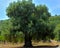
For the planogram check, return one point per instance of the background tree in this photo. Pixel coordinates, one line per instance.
(57, 32)
(29, 19)
(5, 26)
(55, 23)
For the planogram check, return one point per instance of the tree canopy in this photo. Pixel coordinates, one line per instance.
(30, 19)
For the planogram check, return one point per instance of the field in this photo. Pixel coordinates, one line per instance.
(10, 45)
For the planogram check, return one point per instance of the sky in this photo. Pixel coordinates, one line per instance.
(53, 6)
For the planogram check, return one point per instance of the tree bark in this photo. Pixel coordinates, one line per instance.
(28, 42)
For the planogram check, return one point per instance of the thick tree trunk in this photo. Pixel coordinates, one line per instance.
(28, 39)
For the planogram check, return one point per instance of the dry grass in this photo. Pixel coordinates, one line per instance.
(45, 43)
(10, 45)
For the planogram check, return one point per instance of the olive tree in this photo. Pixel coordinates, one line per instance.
(30, 19)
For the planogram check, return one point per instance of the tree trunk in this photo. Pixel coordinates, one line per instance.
(28, 42)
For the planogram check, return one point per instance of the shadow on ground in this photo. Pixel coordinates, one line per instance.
(40, 47)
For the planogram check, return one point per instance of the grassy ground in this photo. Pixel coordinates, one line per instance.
(10, 45)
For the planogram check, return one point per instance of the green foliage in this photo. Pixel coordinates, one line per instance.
(42, 12)
(55, 22)
(29, 18)
(20, 36)
(57, 32)
(5, 26)
(53, 25)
